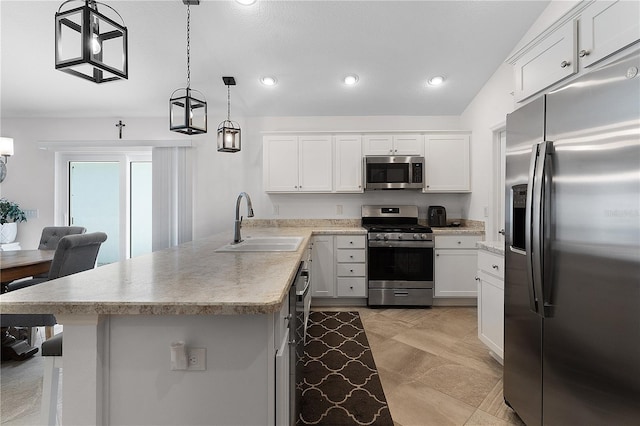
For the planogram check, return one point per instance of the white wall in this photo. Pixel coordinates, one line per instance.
(30, 176)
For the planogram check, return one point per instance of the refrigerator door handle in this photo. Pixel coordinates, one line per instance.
(535, 227)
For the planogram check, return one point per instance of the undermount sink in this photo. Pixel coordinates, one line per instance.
(264, 244)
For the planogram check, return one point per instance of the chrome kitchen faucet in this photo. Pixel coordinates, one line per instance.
(237, 238)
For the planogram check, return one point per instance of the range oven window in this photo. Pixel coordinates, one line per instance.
(400, 264)
(387, 173)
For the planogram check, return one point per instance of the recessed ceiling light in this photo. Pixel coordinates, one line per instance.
(436, 81)
(268, 81)
(351, 79)
(246, 2)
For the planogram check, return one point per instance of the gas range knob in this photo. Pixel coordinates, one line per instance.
(386, 237)
(399, 236)
(416, 236)
(378, 236)
(423, 236)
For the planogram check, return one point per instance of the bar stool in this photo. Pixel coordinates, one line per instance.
(52, 356)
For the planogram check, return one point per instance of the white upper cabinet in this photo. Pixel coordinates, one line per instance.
(280, 163)
(392, 144)
(316, 163)
(348, 163)
(552, 60)
(589, 33)
(606, 27)
(297, 163)
(447, 163)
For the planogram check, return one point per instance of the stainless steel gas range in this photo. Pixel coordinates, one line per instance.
(400, 256)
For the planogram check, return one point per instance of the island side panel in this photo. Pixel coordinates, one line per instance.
(235, 389)
(85, 369)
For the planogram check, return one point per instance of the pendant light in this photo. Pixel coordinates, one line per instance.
(188, 113)
(90, 44)
(229, 131)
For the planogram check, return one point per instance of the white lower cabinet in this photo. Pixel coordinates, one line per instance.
(322, 267)
(339, 266)
(490, 280)
(455, 266)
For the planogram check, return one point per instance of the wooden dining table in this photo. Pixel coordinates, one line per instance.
(18, 264)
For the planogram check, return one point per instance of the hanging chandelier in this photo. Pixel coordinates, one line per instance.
(188, 113)
(229, 131)
(90, 44)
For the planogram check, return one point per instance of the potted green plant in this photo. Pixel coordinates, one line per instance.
(10, 215)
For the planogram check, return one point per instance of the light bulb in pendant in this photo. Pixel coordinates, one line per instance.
(95, 45)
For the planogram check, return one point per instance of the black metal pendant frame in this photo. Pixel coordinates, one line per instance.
(184, 109)
(229, 136)
(85, 63)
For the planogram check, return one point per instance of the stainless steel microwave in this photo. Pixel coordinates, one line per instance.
(393, 172)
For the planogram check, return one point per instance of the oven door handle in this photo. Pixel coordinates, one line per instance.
(402, 244)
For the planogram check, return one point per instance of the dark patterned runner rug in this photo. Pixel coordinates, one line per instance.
(340, 383)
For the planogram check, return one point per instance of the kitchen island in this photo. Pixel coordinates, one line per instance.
(120, 320)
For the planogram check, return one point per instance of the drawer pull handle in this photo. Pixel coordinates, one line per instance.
(401, 293)
(494, 266)
(351, 270)
(350, 242)
(351, 256)
(351, 287)
(583, 53)
(459, 242)
(564, 64)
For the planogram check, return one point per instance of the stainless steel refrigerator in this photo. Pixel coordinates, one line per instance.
(572, 276)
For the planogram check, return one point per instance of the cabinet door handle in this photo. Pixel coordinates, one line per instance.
(477, 278)
(494, 266)
(564, 64)
(583, 53)
(501, 232)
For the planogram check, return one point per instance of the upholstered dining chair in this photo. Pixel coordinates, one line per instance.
(74, 253)
(51, 235)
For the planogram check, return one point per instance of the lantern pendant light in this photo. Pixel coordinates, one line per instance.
(187, 107)
(229, 131)
(90, 44)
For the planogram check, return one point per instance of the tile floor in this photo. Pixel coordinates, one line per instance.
(433, 369)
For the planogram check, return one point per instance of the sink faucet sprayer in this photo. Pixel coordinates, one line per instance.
(236, 230)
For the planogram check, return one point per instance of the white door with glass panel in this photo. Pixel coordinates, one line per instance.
(112, 194)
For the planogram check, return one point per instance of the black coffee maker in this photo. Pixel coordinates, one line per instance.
(437, 216)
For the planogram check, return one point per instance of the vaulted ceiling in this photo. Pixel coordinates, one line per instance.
(309, 46)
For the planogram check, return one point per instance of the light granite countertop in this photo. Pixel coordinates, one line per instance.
(496, 247)
(189, 279)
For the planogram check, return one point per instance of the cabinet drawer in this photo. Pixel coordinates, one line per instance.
(457, 241)
(352, 287)
(350, 269)
(491, 263)
(351, 241)
(350, 256)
